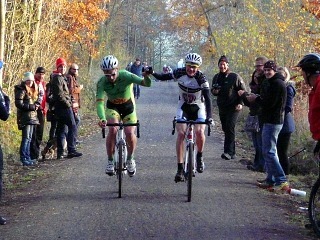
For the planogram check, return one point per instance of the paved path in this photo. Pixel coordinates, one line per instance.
(80, 201)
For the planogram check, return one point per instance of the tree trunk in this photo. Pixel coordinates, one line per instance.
(2, 32)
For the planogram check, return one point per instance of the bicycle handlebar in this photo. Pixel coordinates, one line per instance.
(121, 125)
(189, 122)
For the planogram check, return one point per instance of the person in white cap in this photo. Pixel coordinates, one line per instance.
(27, 102)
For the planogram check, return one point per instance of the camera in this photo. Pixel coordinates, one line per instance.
(216, 86)
(147, 70)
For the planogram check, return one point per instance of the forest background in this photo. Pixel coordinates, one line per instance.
(36, 32)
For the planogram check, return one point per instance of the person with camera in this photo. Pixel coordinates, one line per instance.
(255, 110)
(225, 85)
(4, 115)
(310, 68)
(120, 106)
(194, 104)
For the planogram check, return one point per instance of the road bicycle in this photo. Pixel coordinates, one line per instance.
(190, 152)
(120, 155)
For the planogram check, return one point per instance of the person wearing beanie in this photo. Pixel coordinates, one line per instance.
(62, 107)
(223, 58)
(255, 110)
(41, 113)
(225, 85)
(272, 99)
(27, 101)
(4, 115)
(75, 89)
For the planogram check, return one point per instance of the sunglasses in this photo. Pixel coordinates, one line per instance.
(76, 69)
(110, 75)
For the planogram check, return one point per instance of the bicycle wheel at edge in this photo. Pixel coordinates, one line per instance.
(190, 153)
(120, 168)
(314, 207)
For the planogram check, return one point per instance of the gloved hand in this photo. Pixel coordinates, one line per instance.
(316, 149)
(102, 123)
(210, 121)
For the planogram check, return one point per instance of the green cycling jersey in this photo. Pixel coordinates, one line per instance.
(119, 91)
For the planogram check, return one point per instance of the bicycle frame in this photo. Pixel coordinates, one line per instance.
(189, 162)
(120, 155)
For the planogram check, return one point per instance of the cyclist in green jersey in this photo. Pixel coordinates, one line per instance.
(117, 85)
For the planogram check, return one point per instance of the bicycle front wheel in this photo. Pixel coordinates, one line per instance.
(314, 207)
(120, 168)
(190, 152)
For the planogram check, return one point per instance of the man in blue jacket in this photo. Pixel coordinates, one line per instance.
(136, 68)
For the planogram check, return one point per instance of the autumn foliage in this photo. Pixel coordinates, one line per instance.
(81, 21)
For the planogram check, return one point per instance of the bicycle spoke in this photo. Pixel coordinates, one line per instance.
(314, 207)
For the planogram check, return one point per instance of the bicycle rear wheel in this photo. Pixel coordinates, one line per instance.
(314, 207)
(120, 168)
(190, 152)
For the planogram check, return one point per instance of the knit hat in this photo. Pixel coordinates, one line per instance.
(223, 58)
(40, 70)
(60, 61)
(271, 64)
(28, 76)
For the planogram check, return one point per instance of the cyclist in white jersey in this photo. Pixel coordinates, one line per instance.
(194, 104)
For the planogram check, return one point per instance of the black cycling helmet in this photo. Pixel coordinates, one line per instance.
(310, 63)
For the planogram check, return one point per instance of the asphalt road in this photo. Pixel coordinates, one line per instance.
(80, 201)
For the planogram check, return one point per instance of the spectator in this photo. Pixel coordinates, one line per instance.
(288, 124)
(62, 105)
(165, 69)
(41, 114)
(75, 89)
(272, 99)
(52, 142)
(225, 85)
(255, 109)
(136, 69)
(27, 102)
(128, 68)
(4, 114)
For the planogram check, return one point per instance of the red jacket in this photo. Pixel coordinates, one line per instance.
(314, 110)
(43, 103)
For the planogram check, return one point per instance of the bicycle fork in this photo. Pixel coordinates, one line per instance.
(121, 147)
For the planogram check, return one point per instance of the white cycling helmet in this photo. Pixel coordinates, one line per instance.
(108, 63)
(193, 58)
